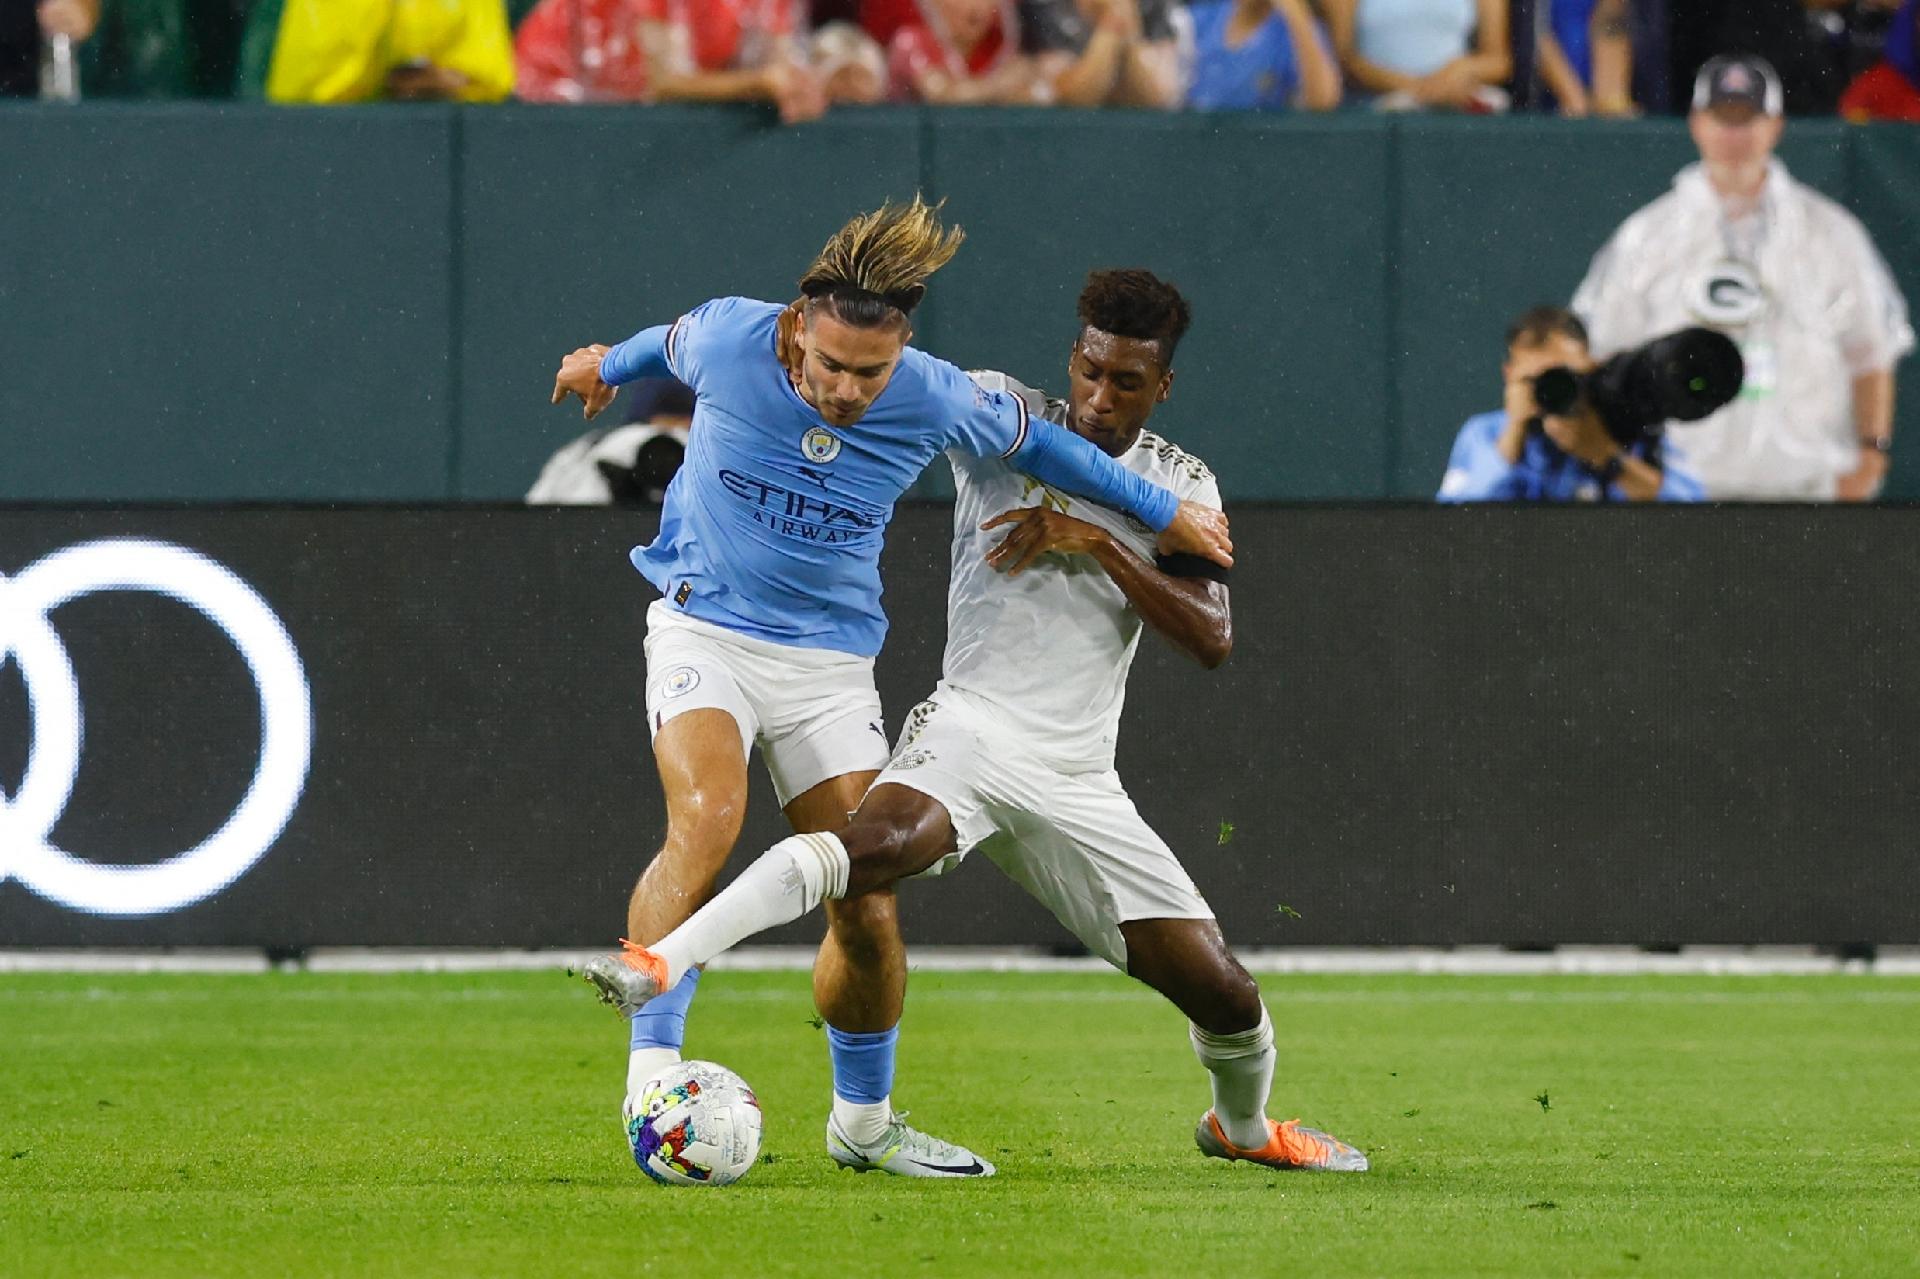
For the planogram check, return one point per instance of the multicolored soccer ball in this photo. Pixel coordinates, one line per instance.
(697, 1124)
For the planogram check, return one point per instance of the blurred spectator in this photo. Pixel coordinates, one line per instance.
(1094, 53)
(669, 51)
(142, 49)
(25, 30)
(1409, 54)
(964, 53)
(1890, 89)
(1519, 454)
(1784, 33)
(1260, 55)
(1739, 246)
(851, 65)
(338, 51)
(1586, 56)
(628, 466)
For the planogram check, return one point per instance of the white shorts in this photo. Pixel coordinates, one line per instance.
(1073, 840)
(814, 713)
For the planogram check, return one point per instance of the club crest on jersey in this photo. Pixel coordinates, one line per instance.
(680, 682)
(820, 445)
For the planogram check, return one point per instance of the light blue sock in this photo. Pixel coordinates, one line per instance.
(862, 1064)
(659, 1028)
(862, 1082)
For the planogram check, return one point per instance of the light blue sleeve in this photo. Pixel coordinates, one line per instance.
(642, 355)
(1056, 456)
(672, 350)
(1476, 472)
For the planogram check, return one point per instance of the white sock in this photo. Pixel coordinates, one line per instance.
(864, 1123)
(644, 1063)
(780, 886)
(1242, 1069)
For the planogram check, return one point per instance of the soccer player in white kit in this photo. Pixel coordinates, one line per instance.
(1013, 752)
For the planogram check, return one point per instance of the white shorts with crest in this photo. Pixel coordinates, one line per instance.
(814, 713)
(1073, 840)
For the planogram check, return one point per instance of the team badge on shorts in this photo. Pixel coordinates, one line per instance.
(910, 759)
(820, 445)
(680, 682)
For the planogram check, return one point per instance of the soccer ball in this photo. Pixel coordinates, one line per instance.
(696, 1124)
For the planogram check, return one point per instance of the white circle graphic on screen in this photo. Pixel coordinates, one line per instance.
(28, 816)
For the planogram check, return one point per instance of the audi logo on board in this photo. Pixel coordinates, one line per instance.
(29, 814)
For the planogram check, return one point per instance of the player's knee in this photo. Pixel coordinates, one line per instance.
(877, 854)
(1231, 1003)
(706, 821)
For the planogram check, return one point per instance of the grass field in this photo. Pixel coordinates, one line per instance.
(450, 1125)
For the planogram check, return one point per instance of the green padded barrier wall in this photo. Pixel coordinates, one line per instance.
(368, 304)
(1886, 195)
(223, 303)
(1268, 226)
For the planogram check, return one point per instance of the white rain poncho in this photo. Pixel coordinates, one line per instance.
(1797, 284)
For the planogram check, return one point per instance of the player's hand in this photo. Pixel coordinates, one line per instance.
(1199, 530)
(580, 375)
(1037, 530)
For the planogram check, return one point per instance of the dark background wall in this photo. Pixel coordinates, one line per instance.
(220, 303)
(1486, 725)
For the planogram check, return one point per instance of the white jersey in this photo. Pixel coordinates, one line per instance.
(1798, 284)
(1046, 653)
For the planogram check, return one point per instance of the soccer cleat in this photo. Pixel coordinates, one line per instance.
(627, 979)
(1289, 1146)
(905, 1152)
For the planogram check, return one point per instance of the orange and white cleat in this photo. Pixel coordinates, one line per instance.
(1289, 1146)
(628, 978)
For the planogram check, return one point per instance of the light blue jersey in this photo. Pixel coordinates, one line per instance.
(773, 526)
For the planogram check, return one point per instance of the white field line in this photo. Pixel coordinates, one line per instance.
(1464, 961)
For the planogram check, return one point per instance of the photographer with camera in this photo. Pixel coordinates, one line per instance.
(1790, 276)
(1524, 453)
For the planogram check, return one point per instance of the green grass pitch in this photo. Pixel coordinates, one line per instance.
(419, 1125)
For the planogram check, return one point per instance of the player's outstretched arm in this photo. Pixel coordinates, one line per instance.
(1054, 455)
(596, 373)
(1184, 598)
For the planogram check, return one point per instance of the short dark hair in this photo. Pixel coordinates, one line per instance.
(1131, 303)
(1542, 322)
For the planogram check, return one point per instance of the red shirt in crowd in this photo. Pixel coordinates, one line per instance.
(914, 47)
(589, 50)
(1881, 93)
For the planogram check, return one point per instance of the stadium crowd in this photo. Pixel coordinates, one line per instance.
(1856, 58)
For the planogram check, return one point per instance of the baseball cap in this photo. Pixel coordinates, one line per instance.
(1738, 80)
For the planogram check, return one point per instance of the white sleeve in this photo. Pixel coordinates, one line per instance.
(1874, 328)
(1205, 490)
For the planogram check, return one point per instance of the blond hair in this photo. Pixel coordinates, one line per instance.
(881, 261)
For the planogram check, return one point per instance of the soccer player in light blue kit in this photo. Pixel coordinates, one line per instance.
(810, 423)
